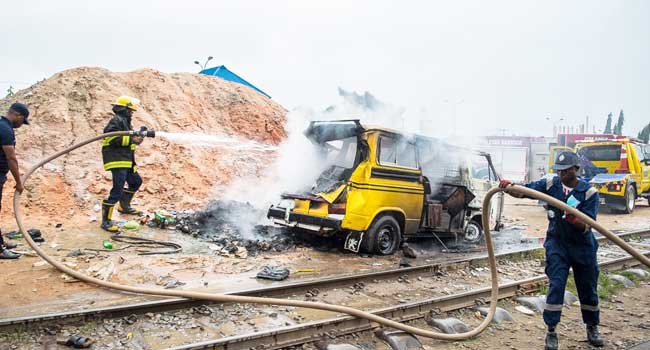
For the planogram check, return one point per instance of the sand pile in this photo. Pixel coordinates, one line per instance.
(76, 104)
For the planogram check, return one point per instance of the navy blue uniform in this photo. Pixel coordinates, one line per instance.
(566, 246)
(7, 138)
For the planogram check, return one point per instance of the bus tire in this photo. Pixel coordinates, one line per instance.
(383, 237)
(473, 232)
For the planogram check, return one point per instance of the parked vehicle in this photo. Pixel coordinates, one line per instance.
(382, 186)
(625, 175)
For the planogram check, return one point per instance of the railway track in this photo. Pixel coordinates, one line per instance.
(339, 326)
(285, 289)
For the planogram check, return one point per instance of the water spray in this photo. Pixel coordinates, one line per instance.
(317, 305)
(223, 141)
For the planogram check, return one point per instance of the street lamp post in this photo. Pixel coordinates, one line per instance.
(204, 64)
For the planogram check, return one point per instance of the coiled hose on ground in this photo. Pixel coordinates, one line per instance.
(316, 305)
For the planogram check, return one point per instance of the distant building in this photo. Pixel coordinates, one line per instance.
(224, 73)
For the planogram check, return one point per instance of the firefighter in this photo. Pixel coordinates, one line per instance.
(569, 243)
(118, 156)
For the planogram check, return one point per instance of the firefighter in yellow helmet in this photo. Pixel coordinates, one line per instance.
(118, 157)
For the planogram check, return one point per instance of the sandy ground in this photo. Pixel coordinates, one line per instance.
(30, 286)
(531, 217)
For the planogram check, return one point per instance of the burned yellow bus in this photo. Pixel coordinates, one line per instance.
(381, 186)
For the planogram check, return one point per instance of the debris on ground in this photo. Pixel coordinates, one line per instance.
(131, 226)
(35, 233)
(232, 228)
(408, 251)
(273, 273)
(162, 219)
(77, 342)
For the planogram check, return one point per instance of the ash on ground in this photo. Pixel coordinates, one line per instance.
(234, 229)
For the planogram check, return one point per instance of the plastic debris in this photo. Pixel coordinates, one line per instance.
(305, 271)
(273, 273)
(107, 244)
(131, 226)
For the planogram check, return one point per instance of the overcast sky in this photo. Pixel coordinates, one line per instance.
(503, 64)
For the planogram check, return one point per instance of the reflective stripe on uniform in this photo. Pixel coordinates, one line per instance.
(553, 307)
(590, 192)
(135, 169)
(107, 140)
(549, 183)
(589, 307)
(126, 140)
(118, 164)
(133, 147)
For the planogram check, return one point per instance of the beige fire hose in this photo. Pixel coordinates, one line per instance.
(316, 305)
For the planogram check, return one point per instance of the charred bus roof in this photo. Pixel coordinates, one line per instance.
(322, 131)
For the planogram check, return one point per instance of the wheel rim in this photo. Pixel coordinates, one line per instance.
(472, 232)
(385, 239)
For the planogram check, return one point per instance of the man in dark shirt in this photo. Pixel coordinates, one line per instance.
(15, 118)
(570, 243)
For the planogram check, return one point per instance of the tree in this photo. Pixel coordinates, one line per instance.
(644, 135)
(10, 91)
(608, 127)
(618, 129)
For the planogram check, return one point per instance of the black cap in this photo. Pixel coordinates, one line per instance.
(566, 160)
(21, 109)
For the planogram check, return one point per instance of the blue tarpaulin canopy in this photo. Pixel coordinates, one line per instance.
(223, 73)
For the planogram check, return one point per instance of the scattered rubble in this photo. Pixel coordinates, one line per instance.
(500, 315)
(626, 282)
(449, 325)
(273, 273)
(233, 229)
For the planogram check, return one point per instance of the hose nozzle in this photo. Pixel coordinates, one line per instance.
(143, 132)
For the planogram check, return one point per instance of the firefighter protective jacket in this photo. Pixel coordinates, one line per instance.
(118, 152)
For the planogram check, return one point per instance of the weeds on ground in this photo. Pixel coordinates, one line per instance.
(535, 254)
(632, 277)
(543, 289)
(86, 328)
(607, 287)
(19, 335)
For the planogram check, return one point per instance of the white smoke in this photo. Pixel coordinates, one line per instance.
(298, 163)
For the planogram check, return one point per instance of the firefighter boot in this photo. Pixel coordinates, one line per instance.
(125, 204)
(551, 341)
(594, 336)
(107, 215)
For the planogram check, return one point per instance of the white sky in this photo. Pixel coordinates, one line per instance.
(511, 63)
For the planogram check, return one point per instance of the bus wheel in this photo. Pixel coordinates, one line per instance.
(384, 236)
(473, 232)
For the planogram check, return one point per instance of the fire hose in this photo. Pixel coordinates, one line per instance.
(515, 189)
